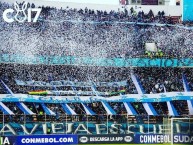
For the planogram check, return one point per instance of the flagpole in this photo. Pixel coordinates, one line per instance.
(148, 124)
(107, 124)
(127, 121)
(3, 122)
(24, 119)
(66, 122)
(87, 122)
(45, 117)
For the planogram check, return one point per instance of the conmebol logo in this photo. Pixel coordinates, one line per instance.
(128, 139)
(83, 139)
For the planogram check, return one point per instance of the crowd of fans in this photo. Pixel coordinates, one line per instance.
(85, 32)
(153, 80)
(162, 80)
(100, 117)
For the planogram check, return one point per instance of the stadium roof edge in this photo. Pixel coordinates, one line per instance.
(169, 10)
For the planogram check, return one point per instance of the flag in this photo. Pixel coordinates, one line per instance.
(38, 92)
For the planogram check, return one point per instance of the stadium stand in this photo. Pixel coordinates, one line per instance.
(82, 33)
(99, 37)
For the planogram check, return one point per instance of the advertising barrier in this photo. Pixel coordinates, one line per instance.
(96, 139)
(161, 138)
(8, 140)
(40, 139)
(106, 139)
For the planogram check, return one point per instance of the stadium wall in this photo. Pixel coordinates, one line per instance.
(169, 10)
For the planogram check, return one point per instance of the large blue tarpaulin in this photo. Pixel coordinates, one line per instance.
(187, 10)
(91, 61)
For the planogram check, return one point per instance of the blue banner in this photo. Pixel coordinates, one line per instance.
(161, 138)
(41, 139)
(97, 139)
(106, 139)
(90, 61)
(151, 138)
(187, 10)
(161, 97)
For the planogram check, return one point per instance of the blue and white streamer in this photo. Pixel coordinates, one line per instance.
(129, 108)
(185, 84)
(68, 110)
(187, 89)
(137, 84)
(88, 110)
(171, 109)
(24, 108)
(7, 88)
(149, 109)
(108, 108)
(148, 106)
(5, 109)
(47, 110)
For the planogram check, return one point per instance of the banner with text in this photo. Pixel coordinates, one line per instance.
(106, 139)
(40, 139)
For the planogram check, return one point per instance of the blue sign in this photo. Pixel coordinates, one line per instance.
(162, 138)
(183, 138)
(43, 139)
(152, 138)
(97, 139)
(106, 139)
(187, 10)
